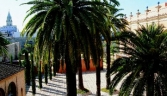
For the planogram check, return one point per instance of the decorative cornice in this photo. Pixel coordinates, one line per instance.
(152, 18)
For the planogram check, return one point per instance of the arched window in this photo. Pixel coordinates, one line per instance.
(2, 92)
(12, 89)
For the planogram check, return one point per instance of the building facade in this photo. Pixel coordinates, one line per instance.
(156, 14)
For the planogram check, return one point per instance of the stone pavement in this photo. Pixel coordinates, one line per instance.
(57, 86)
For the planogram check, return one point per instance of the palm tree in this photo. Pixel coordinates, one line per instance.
(143, 66)
(32, 74)
(27, 65)
(62, 20)
(3, 47)
(101, 29)
(49, 62)
(117, 23)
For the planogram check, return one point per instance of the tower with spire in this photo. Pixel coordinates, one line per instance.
(9, 20)
(9, 30)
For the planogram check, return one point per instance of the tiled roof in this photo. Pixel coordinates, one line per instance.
(7, 70)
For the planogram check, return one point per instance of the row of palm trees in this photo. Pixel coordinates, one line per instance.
(67, 28)
(143, 66)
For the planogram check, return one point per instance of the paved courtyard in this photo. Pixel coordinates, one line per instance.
(57, 86)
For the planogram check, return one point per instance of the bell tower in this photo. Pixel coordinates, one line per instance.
(9, 20)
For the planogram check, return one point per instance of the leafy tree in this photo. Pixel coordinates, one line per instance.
(143, 65)
(67, 23)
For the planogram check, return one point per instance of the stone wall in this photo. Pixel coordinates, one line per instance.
(13, 49)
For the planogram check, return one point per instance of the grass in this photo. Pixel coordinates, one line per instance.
(105, 90)
(81, 91)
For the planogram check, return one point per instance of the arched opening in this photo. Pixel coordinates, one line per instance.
(2, 92)
(12, 89)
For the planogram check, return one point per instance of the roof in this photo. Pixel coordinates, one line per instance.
(7, 70)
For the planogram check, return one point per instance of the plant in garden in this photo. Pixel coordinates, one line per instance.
(143, 65)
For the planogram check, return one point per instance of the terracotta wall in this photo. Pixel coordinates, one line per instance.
(92, 67)
(19, 81)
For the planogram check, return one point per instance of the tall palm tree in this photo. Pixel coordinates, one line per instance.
(62, 20)
(143, 67)
(101, 29)
(117, 23)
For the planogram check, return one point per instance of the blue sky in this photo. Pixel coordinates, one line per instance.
(18, 12)
(134, 5)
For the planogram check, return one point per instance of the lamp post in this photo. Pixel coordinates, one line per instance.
(158, 8)
(147, 11)
(138, 13)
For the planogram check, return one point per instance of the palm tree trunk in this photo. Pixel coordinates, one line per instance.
(33, 75)
(150, 85)
(98, 81)
(50, 66)
(46, 73)
(71, 79)
(70, 76)
(80, 78)
(27, 68)
(40, 75)
(108, 65)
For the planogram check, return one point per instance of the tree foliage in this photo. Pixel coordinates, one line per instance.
(143, 65)
(67, 25)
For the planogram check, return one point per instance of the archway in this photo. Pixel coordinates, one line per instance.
(12, 89)
(2, 92)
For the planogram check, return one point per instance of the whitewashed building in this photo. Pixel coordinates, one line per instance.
(155, 14)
